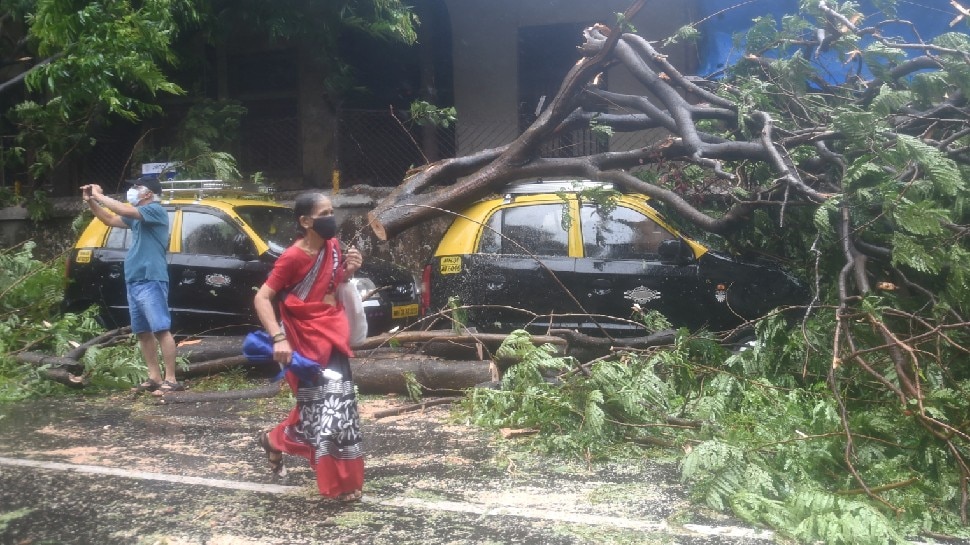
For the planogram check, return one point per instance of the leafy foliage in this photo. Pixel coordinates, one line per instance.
(209, 126)
(30, 293)
(413, 386)
(762, 445)
(30, 320)
(425, 113)
(118, 367)
(839, 143)
(103, 62)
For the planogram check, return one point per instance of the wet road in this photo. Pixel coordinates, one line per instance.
(124, 471)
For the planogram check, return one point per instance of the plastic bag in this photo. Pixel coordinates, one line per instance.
(349, 297)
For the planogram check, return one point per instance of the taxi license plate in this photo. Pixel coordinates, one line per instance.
(404, 311)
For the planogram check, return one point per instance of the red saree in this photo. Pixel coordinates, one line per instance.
(324, 427)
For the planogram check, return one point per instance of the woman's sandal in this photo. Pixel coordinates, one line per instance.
(273, 456)
(350, 497)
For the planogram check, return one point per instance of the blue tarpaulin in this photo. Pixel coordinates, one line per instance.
(724, 18)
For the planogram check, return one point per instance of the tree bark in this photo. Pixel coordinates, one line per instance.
(216, 366)
(405, 207)
(387, 375)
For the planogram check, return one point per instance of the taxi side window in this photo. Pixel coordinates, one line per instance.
(118, 238)
(623, 234)
(537, 228)
(207, 234)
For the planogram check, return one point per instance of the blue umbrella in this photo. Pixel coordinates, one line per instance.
(258, 346)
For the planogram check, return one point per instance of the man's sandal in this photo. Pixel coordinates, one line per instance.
(168, 386)
(147, 386)
(273, 456)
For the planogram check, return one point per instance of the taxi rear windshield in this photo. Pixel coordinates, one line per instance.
(274, 224)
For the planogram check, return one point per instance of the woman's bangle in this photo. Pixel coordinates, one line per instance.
(279, 337)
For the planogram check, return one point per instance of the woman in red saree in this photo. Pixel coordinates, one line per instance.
(324, 427)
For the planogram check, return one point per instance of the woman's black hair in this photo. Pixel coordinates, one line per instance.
(303, 205)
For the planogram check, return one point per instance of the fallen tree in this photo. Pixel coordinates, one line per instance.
(857, 173)
(377, 368)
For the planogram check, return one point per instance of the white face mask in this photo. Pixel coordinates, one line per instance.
(133, 196)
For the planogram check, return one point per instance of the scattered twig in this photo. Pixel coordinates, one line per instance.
(413, 407)
(512, 433)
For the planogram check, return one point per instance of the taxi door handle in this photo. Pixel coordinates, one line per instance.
(602, 286)
(494, 283)
(188, 277)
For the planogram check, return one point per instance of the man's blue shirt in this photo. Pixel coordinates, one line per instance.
(146, 258)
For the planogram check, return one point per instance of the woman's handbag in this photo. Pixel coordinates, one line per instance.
(349, 297)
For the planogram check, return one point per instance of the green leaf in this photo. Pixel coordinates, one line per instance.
(920, 218)
(909, 252)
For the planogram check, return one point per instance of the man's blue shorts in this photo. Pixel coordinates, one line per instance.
(148, 306)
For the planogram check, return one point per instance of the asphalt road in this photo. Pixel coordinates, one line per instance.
(131, 471)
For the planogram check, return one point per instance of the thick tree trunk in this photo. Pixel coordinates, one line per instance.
(216, 366)
(380, 375)
(387, 375)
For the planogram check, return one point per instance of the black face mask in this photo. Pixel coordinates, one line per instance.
(325, 226)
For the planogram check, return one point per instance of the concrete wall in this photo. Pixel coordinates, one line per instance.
(485, 54)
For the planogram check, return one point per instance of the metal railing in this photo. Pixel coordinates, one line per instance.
(198, 189)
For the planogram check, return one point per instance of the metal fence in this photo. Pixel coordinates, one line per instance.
(378, 147)
(374, 147)
(106, 164)
(271, 146)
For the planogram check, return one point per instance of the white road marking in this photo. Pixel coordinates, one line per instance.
(148, 476)
(529, 512)
(414, 503)
(578, 518)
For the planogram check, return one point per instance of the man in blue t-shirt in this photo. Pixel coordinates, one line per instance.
(146, 274)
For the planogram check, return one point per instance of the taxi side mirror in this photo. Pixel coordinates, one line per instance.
(675, 251)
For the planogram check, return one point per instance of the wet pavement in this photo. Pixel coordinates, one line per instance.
(131, 471)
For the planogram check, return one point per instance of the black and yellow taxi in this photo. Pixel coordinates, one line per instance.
(222, 244)
(554, 254)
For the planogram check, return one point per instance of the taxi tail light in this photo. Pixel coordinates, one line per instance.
(426, 290)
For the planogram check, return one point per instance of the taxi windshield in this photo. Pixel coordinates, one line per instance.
(274, 224)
